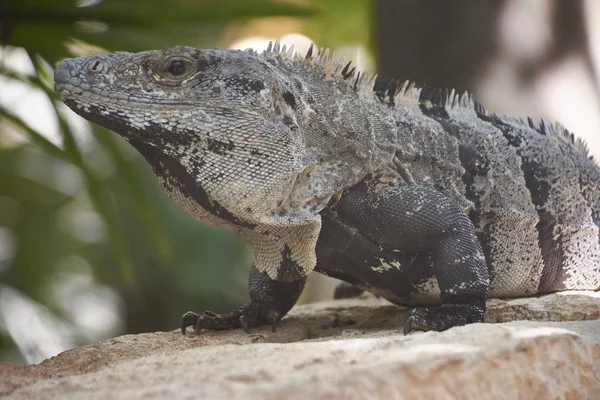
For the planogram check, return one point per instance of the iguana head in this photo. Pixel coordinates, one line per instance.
(261, 142)
(169, 95)
(202, 118)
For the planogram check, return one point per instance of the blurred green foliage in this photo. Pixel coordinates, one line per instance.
(160, 261)
(43, 26)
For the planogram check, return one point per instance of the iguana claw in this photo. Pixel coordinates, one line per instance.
(188, 319)
(244, 324)
(273, 318)
(248, 316)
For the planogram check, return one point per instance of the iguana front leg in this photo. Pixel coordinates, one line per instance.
(283, 244)
(270, 300)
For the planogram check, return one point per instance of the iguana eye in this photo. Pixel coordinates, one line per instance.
(172, 69)
(177, 67)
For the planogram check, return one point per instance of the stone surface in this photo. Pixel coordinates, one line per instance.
(347, 349)
(564, 306)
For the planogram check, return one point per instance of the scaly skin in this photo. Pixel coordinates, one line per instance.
(418, 195)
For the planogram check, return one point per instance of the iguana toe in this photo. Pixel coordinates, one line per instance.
(248, 316)
(273, 318)
(443, 317)
(188, 319)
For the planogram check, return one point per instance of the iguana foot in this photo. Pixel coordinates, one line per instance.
(248, 316)
(443, 317)
(270, 300)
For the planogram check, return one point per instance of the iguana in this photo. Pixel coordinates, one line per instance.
(416, 194)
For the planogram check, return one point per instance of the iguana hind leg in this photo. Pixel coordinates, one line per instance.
(417, 219)
(270, 300)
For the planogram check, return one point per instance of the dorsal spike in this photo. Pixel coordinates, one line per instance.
(402, 88)
(345, 70)
(471, 104)
(444, 94)
(350, 73)
(405, 94)
(543, 127)
(317, 57)
(369, 83)
(479, 109)
(338, 64)
(357, 80)
(269, 47)
(290, 52)
(277, 46)
(553, 130)
(465, 99)
(415, 91)
(457, 100)
(449, 103)
(327, 60)
(322, 57)
(309, 52)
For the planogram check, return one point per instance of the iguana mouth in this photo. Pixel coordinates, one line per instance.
(76, 94)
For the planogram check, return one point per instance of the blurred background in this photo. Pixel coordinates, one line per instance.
(90, 246)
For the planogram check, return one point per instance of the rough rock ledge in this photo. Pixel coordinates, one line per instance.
(350, 349)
